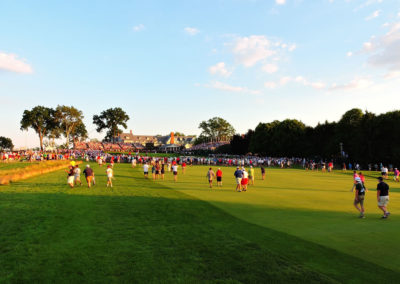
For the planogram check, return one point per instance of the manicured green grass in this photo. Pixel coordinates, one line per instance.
(296, 226)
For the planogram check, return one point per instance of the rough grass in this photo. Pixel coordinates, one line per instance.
(144, 231)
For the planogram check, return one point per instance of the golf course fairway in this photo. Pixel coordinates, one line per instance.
(296, 226)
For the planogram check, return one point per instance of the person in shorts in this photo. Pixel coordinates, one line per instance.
(146, 170)
(382, 193)
(89, 175)
(219, 177)
(238, 175)
(77, 175)
(359, 197)
(175, 171)
(210, 176)
(110, 175)
(251, 175)
(70, 176)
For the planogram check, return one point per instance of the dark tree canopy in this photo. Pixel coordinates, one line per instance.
(217, 129)
(69, 119)
(41, 119)
(6, 143)
(110, 120)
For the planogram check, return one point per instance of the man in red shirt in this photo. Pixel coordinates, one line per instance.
(183, 167)
(219, 177)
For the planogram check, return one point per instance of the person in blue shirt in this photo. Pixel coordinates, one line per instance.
(238, 175)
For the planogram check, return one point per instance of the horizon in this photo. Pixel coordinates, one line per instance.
(173, 65)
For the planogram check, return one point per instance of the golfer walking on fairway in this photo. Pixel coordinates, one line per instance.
(238, 175)
(382, 193)
(359, 197)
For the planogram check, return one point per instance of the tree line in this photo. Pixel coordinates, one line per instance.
(67, 121)
(358, 136)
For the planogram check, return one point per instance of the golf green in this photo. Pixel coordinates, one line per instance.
(295, 226)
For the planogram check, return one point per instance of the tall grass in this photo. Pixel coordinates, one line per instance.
(16, 174)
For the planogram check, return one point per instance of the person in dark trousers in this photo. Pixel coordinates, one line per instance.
(382, 194)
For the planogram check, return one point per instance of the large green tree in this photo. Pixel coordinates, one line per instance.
(69, 119)
(79, 133)
(41, 119)
(111, 119)
(217, 128)
(6, 143)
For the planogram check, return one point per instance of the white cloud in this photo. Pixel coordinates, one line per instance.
(270, 68)
(358, 83)
(220, 69)
(280, 2)
(191, 31)
(226, 87)
(373, 15)
(284, 80)
(138, 28)
(250, 50)
(271, 85)
(292, 47)
(349, 54)
(392, 74)
(384, 50)
(299, 79)
(368, 3)
(11, 62)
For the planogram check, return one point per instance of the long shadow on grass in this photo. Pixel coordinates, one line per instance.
(75, 238)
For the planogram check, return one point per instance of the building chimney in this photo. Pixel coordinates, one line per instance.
(172, 141)
(131, 131)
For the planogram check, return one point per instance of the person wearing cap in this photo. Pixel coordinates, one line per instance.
(382, 193)
(245, 179)
(238, 175)
(89, 175)
(396, 174)
(355, 175)
(359, 196)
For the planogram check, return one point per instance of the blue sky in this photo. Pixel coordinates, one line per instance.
(172, 64)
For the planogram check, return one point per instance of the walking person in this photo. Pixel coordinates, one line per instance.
(146, 170)
(110, 175)
(219, 177)
(251, 175)
(382, 193)
(245, 179)
(263, 173)
(162, 171)
(175, 172)
(77, 176)
(89, 175)
(71, 176)
(359, 197)
(210, 176)
(238, 175)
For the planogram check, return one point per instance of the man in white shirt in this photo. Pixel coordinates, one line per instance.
(175, 172)
(146, 170)
(77, 175)
(109, 173)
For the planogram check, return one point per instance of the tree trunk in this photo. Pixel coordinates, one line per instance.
(41, 141)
